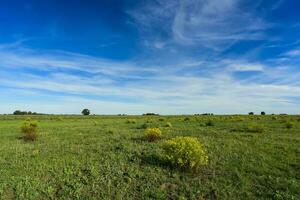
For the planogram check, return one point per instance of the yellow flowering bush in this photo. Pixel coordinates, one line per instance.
(29, 129)
(185, 152)
(153, 134)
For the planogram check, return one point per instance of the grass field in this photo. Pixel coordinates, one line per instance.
(105, 157)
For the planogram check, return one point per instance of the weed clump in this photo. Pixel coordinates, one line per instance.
(161, 119)
(153, 134)
(29, 130)
(185, 152)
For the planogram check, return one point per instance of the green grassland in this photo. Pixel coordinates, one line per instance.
(106, 157)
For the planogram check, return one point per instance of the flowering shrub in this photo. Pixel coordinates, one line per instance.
(185, 153)
(29, 129)
(153, 134)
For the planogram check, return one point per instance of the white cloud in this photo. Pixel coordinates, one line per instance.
(244, 67)
(293, 53)
(212, 24)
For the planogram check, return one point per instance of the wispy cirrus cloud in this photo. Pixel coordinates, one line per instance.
(211, 24)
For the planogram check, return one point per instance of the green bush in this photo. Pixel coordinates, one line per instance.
(29, 130)
(110, 131)
(289, 125)
(153, 134)
(186, 119)
(185, 153)
(209, 123)
(168, 125)
(145, 126)
(161, 119)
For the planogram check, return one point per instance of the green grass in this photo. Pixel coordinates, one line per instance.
(105, 157)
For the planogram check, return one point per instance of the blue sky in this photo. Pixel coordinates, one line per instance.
(168, 57)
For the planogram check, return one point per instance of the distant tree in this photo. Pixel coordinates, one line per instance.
(263, 113)
(17, 112)
(251, 113)
(150, 114)
(85, 111)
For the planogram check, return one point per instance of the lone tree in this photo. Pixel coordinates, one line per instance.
(251, 113)
(85, 111)
(263, 113)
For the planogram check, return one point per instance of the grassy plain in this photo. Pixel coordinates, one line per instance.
(106, 157)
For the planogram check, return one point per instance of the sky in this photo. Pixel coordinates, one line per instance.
(138, 56)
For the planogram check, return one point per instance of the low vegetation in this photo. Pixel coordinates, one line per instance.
(112, 157)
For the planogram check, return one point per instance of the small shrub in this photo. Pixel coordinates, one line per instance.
(209, 123)
(168, 125)
(289, 125)
(161, 119)
(144, 126)
(185, 153)
(110, 132)
(29, 129)
(186, 119)
(153, 134)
